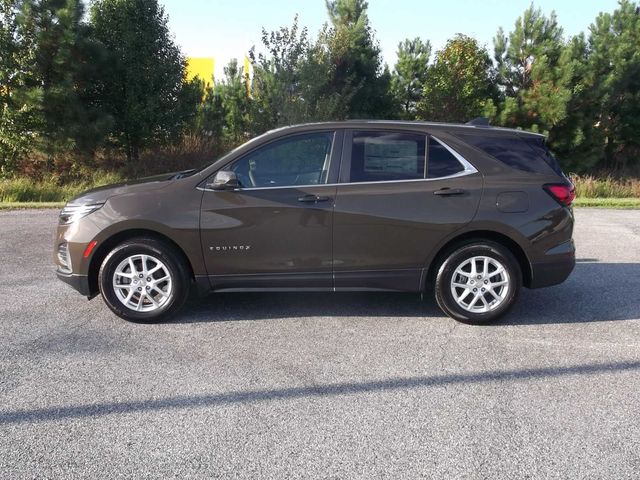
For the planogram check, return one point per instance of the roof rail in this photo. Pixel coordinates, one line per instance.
(479, 122)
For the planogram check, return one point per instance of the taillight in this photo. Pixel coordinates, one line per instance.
(562, 192)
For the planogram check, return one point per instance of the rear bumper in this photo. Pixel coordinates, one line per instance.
(80, 283)
(555, 267)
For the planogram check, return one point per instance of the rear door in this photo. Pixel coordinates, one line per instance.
(400, 193)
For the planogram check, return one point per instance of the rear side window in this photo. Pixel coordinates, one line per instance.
(387, 156)
(441, 162)
(526, 154)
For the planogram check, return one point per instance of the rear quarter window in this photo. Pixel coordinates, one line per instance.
(526, 154)
(442, 163)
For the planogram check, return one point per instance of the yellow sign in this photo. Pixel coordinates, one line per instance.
(202, 68)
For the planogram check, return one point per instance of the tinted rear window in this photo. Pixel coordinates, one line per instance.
(540, 147)
(527, 154)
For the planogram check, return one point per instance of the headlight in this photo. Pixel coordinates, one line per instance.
(72, 212)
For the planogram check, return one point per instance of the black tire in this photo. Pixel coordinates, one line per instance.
(455, 258)
(175, 264)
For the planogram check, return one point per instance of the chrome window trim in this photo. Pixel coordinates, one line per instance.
(455, 175)
(468, 170)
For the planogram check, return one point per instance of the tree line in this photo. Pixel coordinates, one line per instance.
(74, 83)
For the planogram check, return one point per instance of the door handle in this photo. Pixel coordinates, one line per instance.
(444, 192)
(313, 199)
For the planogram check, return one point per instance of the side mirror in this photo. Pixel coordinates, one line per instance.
(224, 180)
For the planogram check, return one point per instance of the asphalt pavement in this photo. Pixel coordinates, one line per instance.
(306, 385)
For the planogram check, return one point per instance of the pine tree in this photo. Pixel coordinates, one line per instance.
(59, 36)
(529, 73)
(575, 139)
(356, 72)
(143, 87)
(409, 75)
(18, 103)
(47, 54)
(614, 85)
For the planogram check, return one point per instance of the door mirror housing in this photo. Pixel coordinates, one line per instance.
(224, 180)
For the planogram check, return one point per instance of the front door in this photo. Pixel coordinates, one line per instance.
(401, 194)
(275, 231)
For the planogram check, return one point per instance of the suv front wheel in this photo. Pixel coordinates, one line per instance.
(478, 282)
(143, 280)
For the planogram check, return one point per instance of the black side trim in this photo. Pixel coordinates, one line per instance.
(273, 281)
(203, 285)
(387, 280)
(372, 280)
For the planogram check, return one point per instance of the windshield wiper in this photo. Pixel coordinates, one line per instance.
(183, 174)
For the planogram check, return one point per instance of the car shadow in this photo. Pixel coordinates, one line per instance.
(595, 292)
(210, 400)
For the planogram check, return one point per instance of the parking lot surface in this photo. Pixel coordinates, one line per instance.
(322, 385)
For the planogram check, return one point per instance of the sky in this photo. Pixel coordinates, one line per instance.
(226, 29)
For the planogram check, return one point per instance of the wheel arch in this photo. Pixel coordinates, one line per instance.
(112, 241)
(468, 237)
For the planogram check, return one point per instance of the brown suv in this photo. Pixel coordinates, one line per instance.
(473, 211)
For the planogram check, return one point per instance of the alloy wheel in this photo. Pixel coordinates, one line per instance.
(480, 284)
(142, 283)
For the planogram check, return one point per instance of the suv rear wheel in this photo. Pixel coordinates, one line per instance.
(478, 282)
(143, 280)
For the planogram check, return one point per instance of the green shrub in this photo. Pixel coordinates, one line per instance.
(50, 190)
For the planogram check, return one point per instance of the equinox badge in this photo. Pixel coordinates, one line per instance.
(230, 248)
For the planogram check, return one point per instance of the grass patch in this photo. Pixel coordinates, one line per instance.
(22, 189)
(619, 203)
(25, 205)
(588, 186)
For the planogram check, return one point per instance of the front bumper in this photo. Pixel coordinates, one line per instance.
(79, 283)
(72, 267)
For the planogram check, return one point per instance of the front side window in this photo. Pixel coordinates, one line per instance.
(387, 156)
(299, 160)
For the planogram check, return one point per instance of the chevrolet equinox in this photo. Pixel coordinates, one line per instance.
(470, 211)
